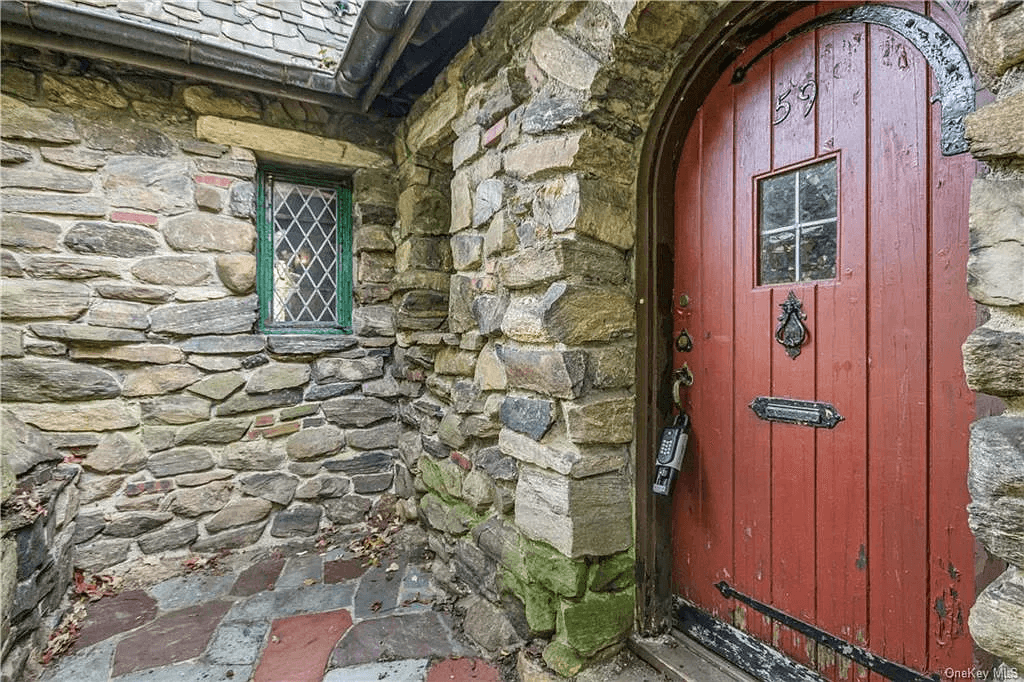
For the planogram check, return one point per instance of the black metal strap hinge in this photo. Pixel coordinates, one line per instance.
(884, 667)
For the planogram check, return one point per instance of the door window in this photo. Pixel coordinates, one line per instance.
(797, 224)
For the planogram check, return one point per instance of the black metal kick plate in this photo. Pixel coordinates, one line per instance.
(793, 411)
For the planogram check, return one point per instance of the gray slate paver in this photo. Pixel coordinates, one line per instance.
(378, 591)
(189, 590)
(89, 665)
(417, 587)
(299, 569)
(408, 670)
(313, 599)
(260, 606)
(237, 643)
(417, 635)
(188, 672)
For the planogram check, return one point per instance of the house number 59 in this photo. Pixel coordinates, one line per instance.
(806, 92)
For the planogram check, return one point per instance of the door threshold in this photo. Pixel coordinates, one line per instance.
(685, 660)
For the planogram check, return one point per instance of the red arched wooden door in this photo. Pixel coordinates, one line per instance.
(820, 176)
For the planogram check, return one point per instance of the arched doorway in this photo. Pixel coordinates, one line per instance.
(820, 175)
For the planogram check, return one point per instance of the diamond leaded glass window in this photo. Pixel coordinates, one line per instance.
(304, 253)
(797, 221)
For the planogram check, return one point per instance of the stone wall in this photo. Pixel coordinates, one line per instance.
(40, 503)
(994, 352)
(129, 311)
(496, 290)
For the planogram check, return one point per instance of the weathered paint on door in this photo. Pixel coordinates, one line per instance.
(861, 529)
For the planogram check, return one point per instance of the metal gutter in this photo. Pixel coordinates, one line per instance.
(70, 28)
(395, 49)
(376, 25)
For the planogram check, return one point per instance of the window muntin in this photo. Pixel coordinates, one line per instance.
(797, 221)
(305, 253)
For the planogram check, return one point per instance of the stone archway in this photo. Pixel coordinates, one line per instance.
(996, 440)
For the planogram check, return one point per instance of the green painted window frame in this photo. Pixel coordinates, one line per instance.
(265, 176)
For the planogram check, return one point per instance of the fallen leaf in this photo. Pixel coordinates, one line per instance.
(309, 581)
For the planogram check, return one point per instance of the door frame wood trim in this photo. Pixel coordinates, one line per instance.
(717, 46)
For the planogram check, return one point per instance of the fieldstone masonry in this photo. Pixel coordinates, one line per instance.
(40, 505)
(520, 447)
(129, 329)
(489, 384)
(994, 352)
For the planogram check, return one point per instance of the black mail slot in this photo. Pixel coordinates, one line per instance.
(793, 411)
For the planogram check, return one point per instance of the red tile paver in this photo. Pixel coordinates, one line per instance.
(173, 637)
(258, 577)
(113, 615)
(463, 670)
(340, 570)
(299, 647)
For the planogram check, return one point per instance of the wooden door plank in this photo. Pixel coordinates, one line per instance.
(793, 447)
(794, 94)
(686, 498)
(713, 375)
(842, 374)
(753, 503)
(951, 403)
(898, 358)
(793, 476)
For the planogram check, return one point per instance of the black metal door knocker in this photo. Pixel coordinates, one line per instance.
(791, 331)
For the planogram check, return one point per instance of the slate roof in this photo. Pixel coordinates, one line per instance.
(305, 33)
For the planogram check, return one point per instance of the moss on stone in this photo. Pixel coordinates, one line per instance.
(613, 573)
(540, 609)
(513, 560)
(443, 476)
(555, 571)
(597, 621)
(452, 517)
(563, 659)
(539, 603)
